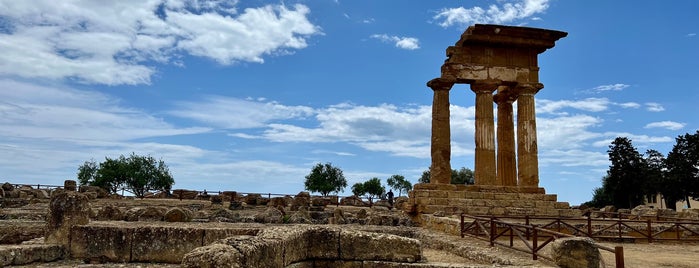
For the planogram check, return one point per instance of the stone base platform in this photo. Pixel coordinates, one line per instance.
(452, 199)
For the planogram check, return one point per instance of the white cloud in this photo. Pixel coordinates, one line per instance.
(629, 105)
(113, 42)
(654, 107)
(40, 112)
(566, 132)
(666, 124)
(233, 113)
(508, 12)
(409, 43)
(588, 105)
(691, 35)
(643, 140)
(612, 87)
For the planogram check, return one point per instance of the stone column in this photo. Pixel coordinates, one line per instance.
(506, 158)
(484, 173)
(527, 152)
(440, 169)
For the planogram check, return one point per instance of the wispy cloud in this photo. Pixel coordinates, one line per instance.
(654, 107)
(589, 104)
(113, 43)
(612, 87)
(409, 43)
(507, 12)
(691, 35)
(666, 124)
(243, 114)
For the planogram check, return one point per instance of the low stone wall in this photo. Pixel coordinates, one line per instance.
(284, 246)
(144, 242)
(24, 254)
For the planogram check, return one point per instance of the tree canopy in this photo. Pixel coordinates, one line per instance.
(461, 176)
(632, 175)
(371, 187)
(138, 174)
(625, 177)
(682, 163)
(325, 179)
(398, 182)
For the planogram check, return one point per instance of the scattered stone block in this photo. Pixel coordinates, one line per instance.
(177, 215)
(575, 252)
(66, 210)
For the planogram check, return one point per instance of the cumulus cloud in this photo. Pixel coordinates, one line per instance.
(654, 107)
(506, 12)
(116, 42)
(666, 124)
(408, 43)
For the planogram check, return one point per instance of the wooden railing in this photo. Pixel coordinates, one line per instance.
(530, 239)
(648, 230)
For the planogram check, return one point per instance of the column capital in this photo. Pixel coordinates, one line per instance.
(485, 85)
(440, 84)
(505, 94)
(528, 88)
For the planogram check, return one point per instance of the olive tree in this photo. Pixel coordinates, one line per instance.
(325, 179)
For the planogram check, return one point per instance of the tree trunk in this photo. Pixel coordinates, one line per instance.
(686, 199)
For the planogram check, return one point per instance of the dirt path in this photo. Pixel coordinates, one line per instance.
(684, 255)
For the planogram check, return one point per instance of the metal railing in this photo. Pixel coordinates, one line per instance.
(530, 239)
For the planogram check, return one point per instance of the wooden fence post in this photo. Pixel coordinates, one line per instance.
(619, 256)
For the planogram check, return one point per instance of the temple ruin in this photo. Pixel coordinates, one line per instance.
(500, 64)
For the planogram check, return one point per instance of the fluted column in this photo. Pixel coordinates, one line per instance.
(440, 169)
(506, 158)
(527, 152)
(485, 172)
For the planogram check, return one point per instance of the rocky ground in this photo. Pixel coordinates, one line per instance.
(439, 249)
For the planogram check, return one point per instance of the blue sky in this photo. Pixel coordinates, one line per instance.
(249, 95)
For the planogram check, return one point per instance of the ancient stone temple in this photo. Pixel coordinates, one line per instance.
(500, 65)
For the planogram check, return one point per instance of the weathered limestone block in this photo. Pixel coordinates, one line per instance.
(25, 254)
(184, 194)
(7, 186)
(164, 244)
(213, 256)
(253, 199)
(338, 217)
(302, 216)
(352, 201)
(575, 252)
(302, 199)
(177, 214)
(145, 214)
(111, 212)
(212, 235)
(100, 244)
(70, 185)
(101, 193)
(270, 215)
(277, 202)
(216, 199)
(257, 251)
(356, 245)
(295, 242)
(15, 232)
(66, 210)
(323, 243)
